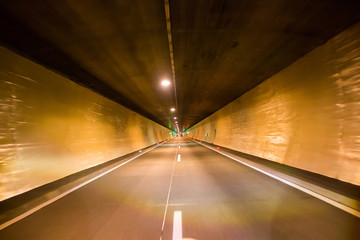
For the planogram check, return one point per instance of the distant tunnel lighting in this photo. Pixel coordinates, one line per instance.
(172, 109)
(174, 117)
(165, 82)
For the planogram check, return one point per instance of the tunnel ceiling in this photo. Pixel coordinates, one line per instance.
(120, 49)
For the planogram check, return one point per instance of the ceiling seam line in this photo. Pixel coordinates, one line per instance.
(171, 50)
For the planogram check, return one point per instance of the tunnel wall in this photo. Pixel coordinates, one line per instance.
(306, 116)
(52, 127)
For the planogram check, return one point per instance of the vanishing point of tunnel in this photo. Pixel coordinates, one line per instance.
(179, 119)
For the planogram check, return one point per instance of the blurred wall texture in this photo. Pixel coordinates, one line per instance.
(306, 116)
(52, 127)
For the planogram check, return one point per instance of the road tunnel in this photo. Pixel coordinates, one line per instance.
(180, 119)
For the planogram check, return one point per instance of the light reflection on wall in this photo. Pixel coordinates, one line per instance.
(306, 116)
(51, 127)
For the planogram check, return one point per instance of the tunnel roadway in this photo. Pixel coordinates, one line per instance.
(217, 197)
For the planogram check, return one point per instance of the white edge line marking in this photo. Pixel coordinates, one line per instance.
(303, 189)
(31, 211)
(168, 197)
(179, 158)
(177, 226)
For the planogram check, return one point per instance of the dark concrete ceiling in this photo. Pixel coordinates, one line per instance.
(120, 49)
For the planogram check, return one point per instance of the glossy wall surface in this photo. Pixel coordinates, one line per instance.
(52, 127)
(306, 116)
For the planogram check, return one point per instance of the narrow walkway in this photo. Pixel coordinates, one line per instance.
(211, 196)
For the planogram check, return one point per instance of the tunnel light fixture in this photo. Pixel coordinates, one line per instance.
(172, 109)
(174, 117)
(165, 82)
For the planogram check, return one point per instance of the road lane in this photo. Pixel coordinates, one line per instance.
(218, 199)
(127, 203)
(222, 199)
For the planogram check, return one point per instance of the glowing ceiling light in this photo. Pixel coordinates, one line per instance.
(172, 109)
(174, 117)
(165, 82)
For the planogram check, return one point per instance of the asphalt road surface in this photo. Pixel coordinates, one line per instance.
(211, 196)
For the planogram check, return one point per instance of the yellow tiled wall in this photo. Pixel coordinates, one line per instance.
(52, 127)
(306, 116)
